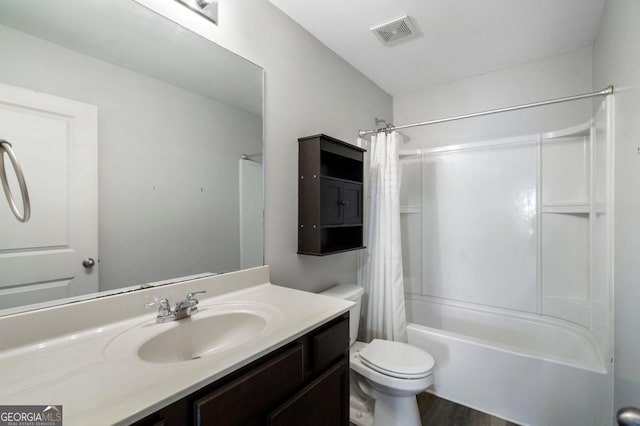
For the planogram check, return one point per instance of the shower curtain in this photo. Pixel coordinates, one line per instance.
(383, 310)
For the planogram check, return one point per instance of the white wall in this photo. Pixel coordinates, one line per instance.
(308, 90)
(616, 60)
(555, 77)
(155, 154)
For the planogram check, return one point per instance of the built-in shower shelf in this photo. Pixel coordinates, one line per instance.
(410, 209)
(600, 208)
(569, 308)
(566, 208)
(581, 130)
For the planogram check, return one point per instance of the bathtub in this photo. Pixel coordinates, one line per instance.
(525, 368)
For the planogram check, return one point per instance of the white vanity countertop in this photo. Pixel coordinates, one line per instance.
(96, 387)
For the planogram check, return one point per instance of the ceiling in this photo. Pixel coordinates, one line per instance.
(457, 38)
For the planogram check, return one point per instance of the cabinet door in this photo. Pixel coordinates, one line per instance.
(325, 401)
(352, 202)
(329, 344)
(331, 199)
(177, 414)
(247, 400)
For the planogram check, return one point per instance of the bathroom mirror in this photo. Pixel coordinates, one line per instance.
(141, 146)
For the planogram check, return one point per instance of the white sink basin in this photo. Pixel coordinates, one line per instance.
(196, 337)
(215, 329)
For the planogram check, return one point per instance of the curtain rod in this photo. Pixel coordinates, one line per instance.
(603, 92)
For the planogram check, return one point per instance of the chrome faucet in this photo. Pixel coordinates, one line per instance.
(187, 307)
(164, 310)
(183, 309)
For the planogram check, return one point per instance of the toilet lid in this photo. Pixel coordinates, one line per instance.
(397, 359)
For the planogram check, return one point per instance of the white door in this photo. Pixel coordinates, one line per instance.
(56, 142)
(251, 214)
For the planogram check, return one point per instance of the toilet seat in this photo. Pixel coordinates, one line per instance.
(393, 385)
(396, 359)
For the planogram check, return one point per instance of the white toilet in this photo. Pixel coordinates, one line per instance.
(385, 376)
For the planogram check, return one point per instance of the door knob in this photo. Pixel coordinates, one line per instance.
(89, 262)
(629, 416)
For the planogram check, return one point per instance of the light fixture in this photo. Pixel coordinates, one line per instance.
(206, 8)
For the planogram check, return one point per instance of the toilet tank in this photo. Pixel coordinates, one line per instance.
(353, 293)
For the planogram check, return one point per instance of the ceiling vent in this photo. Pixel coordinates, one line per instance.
(394, 31)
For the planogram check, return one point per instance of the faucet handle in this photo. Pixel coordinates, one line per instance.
(164, 310)
(192, 302)
(191, 295)
(164, 307)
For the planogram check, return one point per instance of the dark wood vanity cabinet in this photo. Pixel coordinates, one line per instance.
(306, 382)
(330, 196)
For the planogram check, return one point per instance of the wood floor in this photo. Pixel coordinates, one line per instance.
(436, 411)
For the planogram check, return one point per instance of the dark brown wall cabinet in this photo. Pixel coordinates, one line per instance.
(330, 209)
(304, 383)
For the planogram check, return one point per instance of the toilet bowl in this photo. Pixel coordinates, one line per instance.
(385, 376)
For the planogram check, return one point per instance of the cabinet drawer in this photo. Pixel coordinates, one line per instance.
(329, 344)
(246, 400)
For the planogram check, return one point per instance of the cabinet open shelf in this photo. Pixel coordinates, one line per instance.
(335, 163)
(339, 226)
(330, 187)
(340, 179)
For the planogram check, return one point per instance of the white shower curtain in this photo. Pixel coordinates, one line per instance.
(383, 310)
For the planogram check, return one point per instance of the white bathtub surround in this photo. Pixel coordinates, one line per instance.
(383, 307)
(77, 355)
(508, 271)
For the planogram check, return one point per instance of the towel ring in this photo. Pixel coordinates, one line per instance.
(5, 146)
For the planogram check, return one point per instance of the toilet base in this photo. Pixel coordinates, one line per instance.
(388, 411)
(396, 411)
(360, 405)
(360, 418)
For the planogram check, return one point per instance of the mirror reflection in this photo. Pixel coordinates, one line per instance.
(141, 146)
